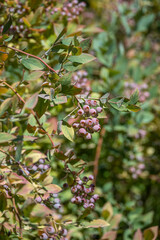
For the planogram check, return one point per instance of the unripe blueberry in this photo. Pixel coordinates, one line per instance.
(56, 200)
(34, 168)
(73, 199)
(87, 190)
(45, 167)
(78, 199)
(50, 230)
(79, 187)
(86, 108)
(57, 205)
(89, 122)
(91, 205)
(96, 128)
(88, 102)
(95, 121)
(99, 109)
(41, 160)
(38, 199)
(75, 125)
(93, 103)
(82, 131)
(55, 195)
(91, 177)
(92, 112)
(41, 166)
(64, 232)
(80, 112)
(80, 182)
(92, 200)
(82, 123)
(86, 205)
(74, 189)
(44, 236)
(88, 136)
(96, 196)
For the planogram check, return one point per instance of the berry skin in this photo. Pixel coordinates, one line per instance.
(45, 167)
(88, 136)
(93, 103)
(82, 123)
(85, 179)
(80, 182)
(86, 205)
(91, 205)
(95, 121)
(75, 125)
(89, 122)
(73, 200)
(38, 199)
(96, 128)
(64, 232)
(86, 108)
(50, 230)
(92, 200)
(82, 131)
(41, 166)
(99, 109)
(56, 200)
(88, 102)
(73, 189)
(44, 236)
(95, 196)
(57, 205)
(91, 177)
(34, 168)
(92, 112)
(41, 160)
(80, 112)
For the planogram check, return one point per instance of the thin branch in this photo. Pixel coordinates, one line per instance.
(18, 216)
(32, 111)
(31, 55)
(98, 152)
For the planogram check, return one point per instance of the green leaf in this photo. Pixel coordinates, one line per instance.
(5, 105)
(3, 201)
(9, 38)
(7, 25)
(6, 137)
(119, 103)
(83, 58)
(134, 97)
(85, 44)
(60, 99)
(104, 98)
(60, 35)
(32, 101)
(41, 106)
(97, 223)
(33, 76)
(32, 64)
(68, 131)
(133, 108)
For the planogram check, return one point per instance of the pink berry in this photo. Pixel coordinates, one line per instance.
(88, 102)
(38, 199)
(91, 177)
(82, 123)
(88, 136)
(75, 125)
(80, 112)
(96, 196)
(96, 128)
(86, 108)
(82, 131)
(92, 112)
(95, 121)
(93, 103)
(89, 122)
(99, 109)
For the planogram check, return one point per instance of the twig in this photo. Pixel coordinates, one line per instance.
(31, 55)
(98, 152)
(18, 216)
(32, 111)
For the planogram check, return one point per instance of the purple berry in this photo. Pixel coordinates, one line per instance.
(86, 108)
(88, 136)
(92, 112)
(57, 206)
(88, 102)
(97, 128)
(56, 200)
(73, 189)
(82, 123)
(82, 131)
(80, 182)
(34, 168)
(41, 160)
(91, 205)
(93, 103)
(91, 177)
(95, 121)
(50, 230)
(99, 109)
(85, 179)
(44, 236)
(41, 166)
(96, 196)
(73, 200)
(64, 232)
(38, 199)
(80, 112)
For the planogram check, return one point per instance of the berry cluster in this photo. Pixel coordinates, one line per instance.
(89, 124)
(83, 193)
(143, 93)
(39, 166)
(137, 170)
(52, 201)
(80, 80)
(51, 233)
(72, 9)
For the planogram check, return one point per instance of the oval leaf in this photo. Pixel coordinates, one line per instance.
(32, 64)
(68, 131)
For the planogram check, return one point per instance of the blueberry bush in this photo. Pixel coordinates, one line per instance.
(79, 125)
